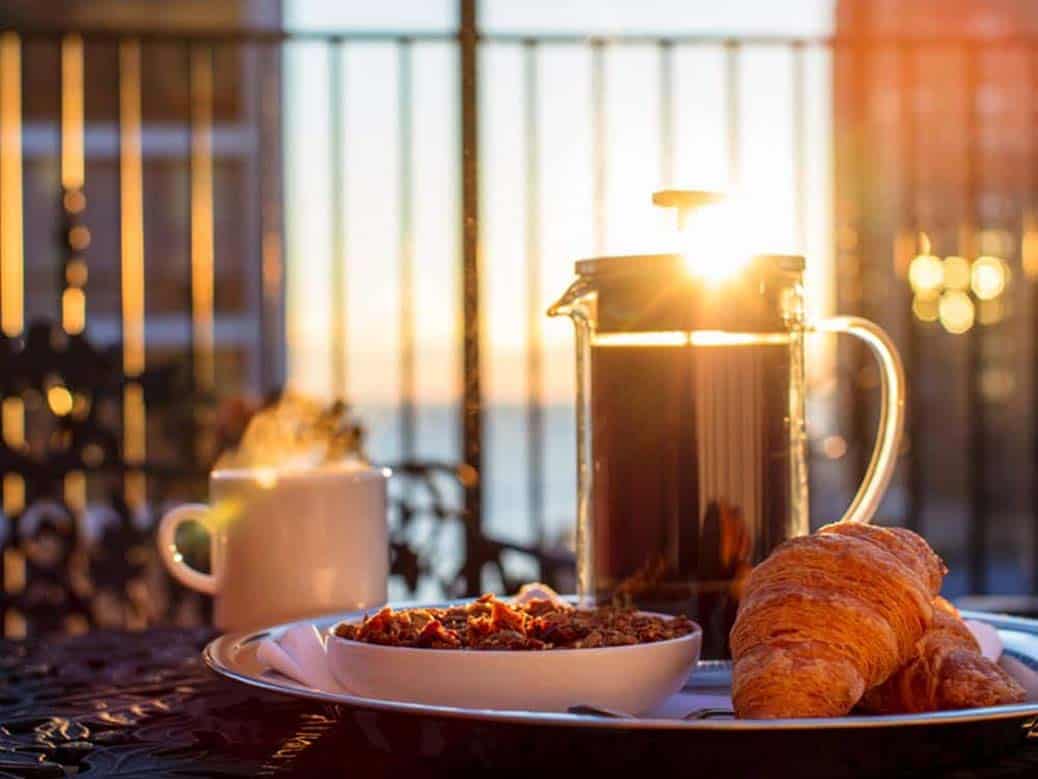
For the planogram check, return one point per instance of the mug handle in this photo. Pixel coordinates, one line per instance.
(174, 561)
(891, 415)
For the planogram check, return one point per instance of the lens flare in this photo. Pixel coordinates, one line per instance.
(714, 241)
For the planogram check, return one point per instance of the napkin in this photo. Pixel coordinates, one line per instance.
(299, 653)
(987, 637)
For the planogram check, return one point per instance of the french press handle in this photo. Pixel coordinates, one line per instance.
(891, 417)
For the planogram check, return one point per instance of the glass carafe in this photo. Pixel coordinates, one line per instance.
(691, 451)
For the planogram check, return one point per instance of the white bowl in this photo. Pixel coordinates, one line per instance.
(634, 678)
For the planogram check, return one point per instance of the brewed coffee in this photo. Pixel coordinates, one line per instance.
(695, 479)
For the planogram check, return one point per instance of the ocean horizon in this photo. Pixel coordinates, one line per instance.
(507, 514)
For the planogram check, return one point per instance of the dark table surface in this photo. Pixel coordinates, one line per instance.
(144, 705)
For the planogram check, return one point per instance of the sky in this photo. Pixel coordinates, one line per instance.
(373, 153)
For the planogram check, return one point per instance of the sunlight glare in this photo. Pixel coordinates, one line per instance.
(714, 240)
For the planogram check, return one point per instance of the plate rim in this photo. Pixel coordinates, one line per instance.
(223, 646)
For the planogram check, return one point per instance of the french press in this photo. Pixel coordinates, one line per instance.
(691, 446)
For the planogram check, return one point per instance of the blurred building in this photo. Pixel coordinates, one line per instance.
(140, 287)
(936, 158)
(209, 141)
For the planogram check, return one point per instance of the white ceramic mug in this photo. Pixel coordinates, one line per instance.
(287, 544)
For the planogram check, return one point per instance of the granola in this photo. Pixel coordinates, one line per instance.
(488, 623)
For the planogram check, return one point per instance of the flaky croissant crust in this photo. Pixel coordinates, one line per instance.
(827, 617)
(948, 671)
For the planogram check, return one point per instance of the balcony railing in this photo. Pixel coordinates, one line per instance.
(218, 115)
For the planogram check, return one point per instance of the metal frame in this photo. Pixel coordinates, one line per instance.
(469, 39)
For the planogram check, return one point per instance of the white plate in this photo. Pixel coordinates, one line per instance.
(234, 656)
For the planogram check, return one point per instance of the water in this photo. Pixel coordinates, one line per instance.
(507, 508)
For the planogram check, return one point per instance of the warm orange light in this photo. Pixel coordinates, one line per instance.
(834, 447)
(14, 494)
(925, 308)
(926, 275)
(79, 238)
(73, 310)
(1029, 245)
(76, 273)
(694, 338)
(956, 273)
(12, 270)
(72, 112)
(714, 240)
(991, 312)
(989, 277)
(131, 206)
(956, 311)
(14, 422)
(59, 399)
(75, 490)
(202, 215)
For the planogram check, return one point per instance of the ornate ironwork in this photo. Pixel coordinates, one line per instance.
(68, 566)
(69, 569)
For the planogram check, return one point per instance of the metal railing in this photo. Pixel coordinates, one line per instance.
(870, 250)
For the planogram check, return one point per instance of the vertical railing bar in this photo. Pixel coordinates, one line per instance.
(259, 53)
(12, 309)
(74, 268)
(1029, 255)
(12, 260)
(732, 114)
(667, 114)
(131, 238)
(272, 302)
(976, 465)
(534, 304)
(859, 411)
(338, 221)
(249, 52)
(472, 323)
(599, 141)
(909, 139)
(408, 413)
(201, 175)
(799, 149)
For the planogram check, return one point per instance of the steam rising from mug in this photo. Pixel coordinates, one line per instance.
(297, 433)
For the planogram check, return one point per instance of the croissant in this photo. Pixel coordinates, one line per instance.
(827, 617)
(947, 672)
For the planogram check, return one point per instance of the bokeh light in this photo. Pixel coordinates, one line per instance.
(991, 312)
(956, 311)
(926, 274)
(834, 447)
(989, 276)
(997, 385)
(925, 308)
(956, 273)
(59, 399)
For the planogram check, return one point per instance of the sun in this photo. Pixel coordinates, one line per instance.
(715, 240)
